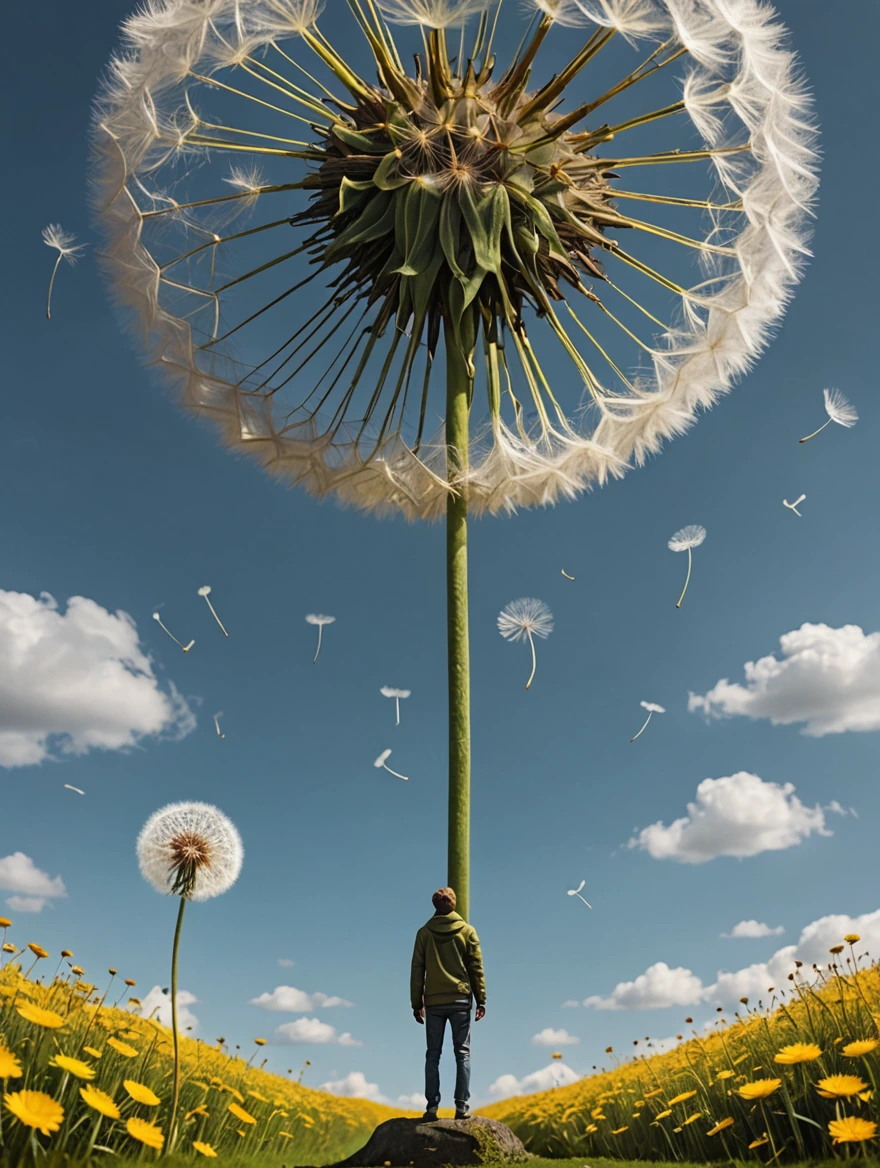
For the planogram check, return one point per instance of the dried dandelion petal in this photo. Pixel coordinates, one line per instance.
(559, 184)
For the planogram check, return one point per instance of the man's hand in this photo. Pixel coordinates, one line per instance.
(419, 1016)
(481, 1013)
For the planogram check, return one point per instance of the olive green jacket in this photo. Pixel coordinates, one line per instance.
(446, 963)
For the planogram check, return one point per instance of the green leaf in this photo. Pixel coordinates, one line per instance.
(351, 193)
(360, 142)
(376, 220)
(386, 177)
(420, 221)
(450, 229)
(542, 219)
(804, 1119)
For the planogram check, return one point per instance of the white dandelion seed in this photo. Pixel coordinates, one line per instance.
(566, 575)
(652, 709)
(205, 591)
(683, 540)
(577, 892)
(381, 761)
(64, 243)
(523, 620)
(186, 648)
(317, 618)
(217, 718)
(562, 12)
(839, 409)
(794, 506)
(431, 13)
(69, 788)
(190, 850)
(389, 691)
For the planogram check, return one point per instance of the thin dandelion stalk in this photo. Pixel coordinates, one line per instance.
(577, 892)
(652, 709)
(186, 648)
(684, 540)
(205, 591)
(381, 762)
(389, 691)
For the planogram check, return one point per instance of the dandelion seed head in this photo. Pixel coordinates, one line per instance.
(192, 843)
(382, 759)
(525, 617)
(839, 408)
(317, 618)
(687, 537)
(653, 708)
(63, 241)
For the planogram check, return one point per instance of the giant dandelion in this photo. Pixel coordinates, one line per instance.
(463, 213)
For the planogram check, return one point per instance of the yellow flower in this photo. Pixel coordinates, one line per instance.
(860, 1047)
(73, 1066)
(591, 1127)
(78, 970)
(35, 1109)
(651, 1094)
(260, 1041)
(720, 1126)
(140, 1093)
(759, 1089)
(741, 1059)
(99, 1101)
(691, 1118)
(10, 1067)
(797, 1052)
(851, 938)
(8, 947)
(39, 1016)
(840, 1086)
(240, 1132)
(200, 1110)
(852, 1130)
(146, 1133)
(232, 1091)
(725, 1075)
(123, 1048)
(663, 1114)
(205, 1149)
(5, 923)
(240, 1113)
(618, 1130)
(257, 1095)
(38, 951)
(866, 1096)
(759, 1143)
(681, 1098)
(91, 1050)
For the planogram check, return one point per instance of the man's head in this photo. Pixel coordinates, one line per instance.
(443, 900)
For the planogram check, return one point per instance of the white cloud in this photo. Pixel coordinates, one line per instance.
(828, 678)
(312, 1030)
(554, 1075)
(76, 681)
(160, 1002)
(662, 1045)
(752, 928)
(285, 962)
(355, 1086)
(738, 815)
(27, 904)
(18, 873)
(290, 1000)
(657, 987)
(550, 1037)
(570, 1004)
(414, 1102)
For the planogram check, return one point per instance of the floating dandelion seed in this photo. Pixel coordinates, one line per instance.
(67, 248)
(205, 591)
(523, 620)
(70, 788)
(186, 648)
(838, 409)
(566, 575)
(217, 716)
(683, 540)
(317, 618)
(794, 506)
(577, 892)
(389, 691)
(193, 851)
(431, 13)
(380, 762)
(652, 709)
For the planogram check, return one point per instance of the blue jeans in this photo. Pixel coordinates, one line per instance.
(459, 1016)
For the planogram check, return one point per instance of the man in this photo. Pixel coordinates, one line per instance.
(446, 977)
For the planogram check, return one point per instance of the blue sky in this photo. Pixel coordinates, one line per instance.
(113, 495)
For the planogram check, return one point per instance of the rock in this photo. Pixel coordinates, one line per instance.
(433, 1143)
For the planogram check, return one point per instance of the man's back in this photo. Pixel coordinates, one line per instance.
(447, 962)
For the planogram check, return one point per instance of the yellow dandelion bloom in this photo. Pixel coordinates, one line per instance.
(618, 1130)
(851, 938)
(651, 1094)
(840, 1086)
(35, 1109)
(5, 923)
(140, 1094)
(591, 1127)
(8, 991)
(852, 1130)
(759, 1143)
(860, 1047)
(91, 1050)
(866, 1096)
(37, 950)
(99, 1101)
(742, 1058)
(676, 1129)
(759, 1089)
(663, 1114)
(232, 1091)
(720, 1126)
(73, 1066)
(144, 1132)
(204, 1149)
(8, 947)
(288, 1136)
(260, 1041)
(725, 1074)
(200, 1110)
(78, 970)
(240, 1113)
(797, 1052)
(257, 1095)
(10, 1067)
(681, 1098)
(122, 1048)
(39, 1016)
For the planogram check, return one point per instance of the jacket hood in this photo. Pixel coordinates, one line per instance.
(447, 924)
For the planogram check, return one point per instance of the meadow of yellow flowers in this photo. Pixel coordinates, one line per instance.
(82, 1075)
(791, 1080)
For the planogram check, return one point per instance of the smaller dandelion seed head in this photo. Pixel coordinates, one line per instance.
(839, 408)
(382, 759)
(63, 241)
(205, 590)
(190, 849)
(317, 618)
(431, 13)
(687, 537)
(525, 617)
(653, 708)
(389, 691)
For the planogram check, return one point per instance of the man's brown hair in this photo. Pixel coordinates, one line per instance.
(443, 900)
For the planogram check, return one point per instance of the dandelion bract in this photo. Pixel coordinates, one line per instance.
(523, 620)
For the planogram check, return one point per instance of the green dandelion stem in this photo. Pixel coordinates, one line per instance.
(175, 1034)
(638, 74)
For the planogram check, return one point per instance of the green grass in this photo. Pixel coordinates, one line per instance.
(228, 1161)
